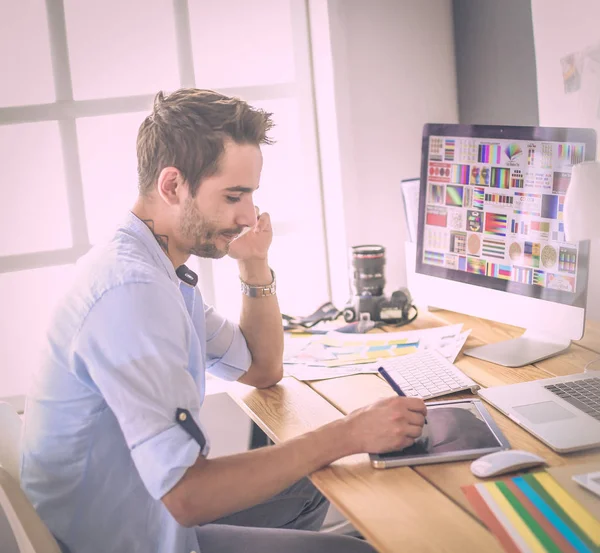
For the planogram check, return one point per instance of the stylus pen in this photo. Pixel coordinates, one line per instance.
(393, 384)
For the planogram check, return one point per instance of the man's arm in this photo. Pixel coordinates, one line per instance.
(260, 320)
(260, 323)
(213, 488)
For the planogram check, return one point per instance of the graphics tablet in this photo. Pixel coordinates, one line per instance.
(459, 429)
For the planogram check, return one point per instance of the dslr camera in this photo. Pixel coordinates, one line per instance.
(367, 283)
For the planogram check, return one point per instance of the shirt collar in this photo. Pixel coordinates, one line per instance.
(133, 225)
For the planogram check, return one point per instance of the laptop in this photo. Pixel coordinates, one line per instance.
(563, 412)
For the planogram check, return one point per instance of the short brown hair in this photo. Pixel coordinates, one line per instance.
(187, 129)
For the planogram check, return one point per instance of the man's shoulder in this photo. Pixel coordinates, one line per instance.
(117, 266)
(124, 273)
(121, 261)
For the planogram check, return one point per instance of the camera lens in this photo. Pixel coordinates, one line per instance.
(367, 265)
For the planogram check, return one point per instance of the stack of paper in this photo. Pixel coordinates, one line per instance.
(336, 354)
(534, 513)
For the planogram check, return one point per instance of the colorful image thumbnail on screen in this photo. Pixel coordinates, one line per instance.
(495, 208)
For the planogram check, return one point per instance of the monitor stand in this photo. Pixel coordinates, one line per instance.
(527, 349)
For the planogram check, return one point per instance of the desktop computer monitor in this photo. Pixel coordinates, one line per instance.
(491, 238)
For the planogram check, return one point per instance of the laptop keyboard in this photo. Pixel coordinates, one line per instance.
(583, 394)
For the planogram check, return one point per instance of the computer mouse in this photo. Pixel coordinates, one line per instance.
(502, 462)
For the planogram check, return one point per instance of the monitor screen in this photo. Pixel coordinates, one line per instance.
(491, 209)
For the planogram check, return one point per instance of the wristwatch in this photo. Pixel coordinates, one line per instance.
(261, 291)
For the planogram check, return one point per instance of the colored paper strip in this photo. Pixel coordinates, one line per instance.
(504, 520)
(529, 478)
(551, 515)
(529, 520)
(489, 519)
(562, 543)
(529, 537)
(584, 519)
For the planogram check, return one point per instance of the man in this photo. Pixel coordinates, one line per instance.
(114, 458)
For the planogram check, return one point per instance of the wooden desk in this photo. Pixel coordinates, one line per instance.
(420, 509)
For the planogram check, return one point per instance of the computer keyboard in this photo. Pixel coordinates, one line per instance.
(427, 374)
(583, 394)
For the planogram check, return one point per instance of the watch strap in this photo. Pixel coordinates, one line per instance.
(260, 291)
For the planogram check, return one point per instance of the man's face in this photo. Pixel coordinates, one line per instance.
(223, 205)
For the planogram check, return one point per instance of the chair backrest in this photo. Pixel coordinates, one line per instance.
(10, 439)
(31, 534)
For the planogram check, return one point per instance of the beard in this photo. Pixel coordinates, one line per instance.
(203, 232)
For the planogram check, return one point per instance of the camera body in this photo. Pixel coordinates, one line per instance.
(367, 283)
(380, 308)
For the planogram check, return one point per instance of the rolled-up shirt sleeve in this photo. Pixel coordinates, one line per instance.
(227, 353)
(133, 349)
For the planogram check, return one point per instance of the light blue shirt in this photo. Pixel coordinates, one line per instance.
(126, 348)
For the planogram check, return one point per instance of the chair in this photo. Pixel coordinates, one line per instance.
(31, 534)
(10, 440)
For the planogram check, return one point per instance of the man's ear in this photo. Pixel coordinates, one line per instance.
(170, 185)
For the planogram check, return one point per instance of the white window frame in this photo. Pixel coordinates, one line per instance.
(65, 110)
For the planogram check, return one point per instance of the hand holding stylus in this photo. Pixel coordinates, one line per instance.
(394, 385)
(390, 424)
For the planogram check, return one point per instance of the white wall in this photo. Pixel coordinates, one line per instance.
(494, 50)
(559, 29)
(394, 70)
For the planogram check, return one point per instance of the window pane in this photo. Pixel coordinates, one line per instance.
(297, 254)
(109, 169)
(228, 297)
(26, 77)
(121, 48)
(289, 169)
(34, 211)
(241, 43)
(299, 263)
(27, 299)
